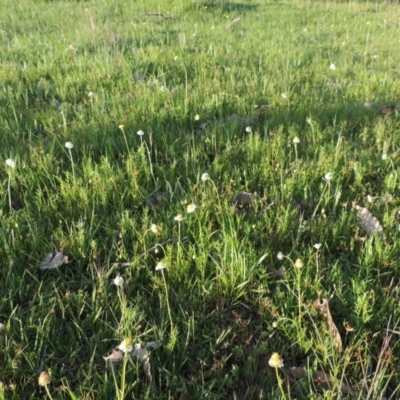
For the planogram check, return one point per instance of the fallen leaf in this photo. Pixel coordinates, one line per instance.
(243, 200)
(54, 260)
(331, 82)
(277, 273)
(369, 223)
(324, 308)
(115, 358)
(388, 110)
(157, 200)
(154, 345)
(143, 355)
(147, 368)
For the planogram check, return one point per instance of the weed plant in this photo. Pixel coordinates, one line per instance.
(127, 124)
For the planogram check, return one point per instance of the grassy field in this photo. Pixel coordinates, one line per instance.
(243, 137)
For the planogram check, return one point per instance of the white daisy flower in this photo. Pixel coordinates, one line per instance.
(328, 176)
(160, 265)
(10, 163)
(191, 208)
(126, 346)
(119, 281)
(205, 177)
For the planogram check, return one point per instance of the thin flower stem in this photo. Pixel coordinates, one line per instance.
(48, 392)
(166, 297)
(280, 383)
(72, 162)
(126, 142)
(121, 392)
(9, 191)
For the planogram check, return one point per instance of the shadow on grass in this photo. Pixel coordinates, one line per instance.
(224, 6)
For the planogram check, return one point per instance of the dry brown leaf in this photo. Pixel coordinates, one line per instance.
(243, 200)
(319, 378)
(54, 260)
(277, 273)
(369, 223)
(115, 358)
(143, 355)
(147, 368)
(157, 200)
(388, 110)
(333, 330)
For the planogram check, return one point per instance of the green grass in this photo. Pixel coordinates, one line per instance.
(94, 74)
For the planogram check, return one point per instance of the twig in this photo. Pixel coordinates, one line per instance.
(235, 21)
(158, 246)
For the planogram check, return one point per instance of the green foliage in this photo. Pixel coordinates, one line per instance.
(292, 101)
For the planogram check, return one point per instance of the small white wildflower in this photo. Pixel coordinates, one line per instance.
(328, 176)
(119, 281)
(140, 133)
(299, 263)
(309, 120)
(248, 129)
(191, 208)
(126, 346)
(155, 228)
(332, 66)
(369, 198)
(317, 246)
(160, 265)
(178, 218)
(10, 163)
(91, 94)
(205, 177)
(284, 96)
(280, 256)
(296, 140)
(69, 145)
(384, 156)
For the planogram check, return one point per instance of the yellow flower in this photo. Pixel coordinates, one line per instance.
(275, 361)
(121, 126)
(299, 263)
(197, 117)
(44, 379)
